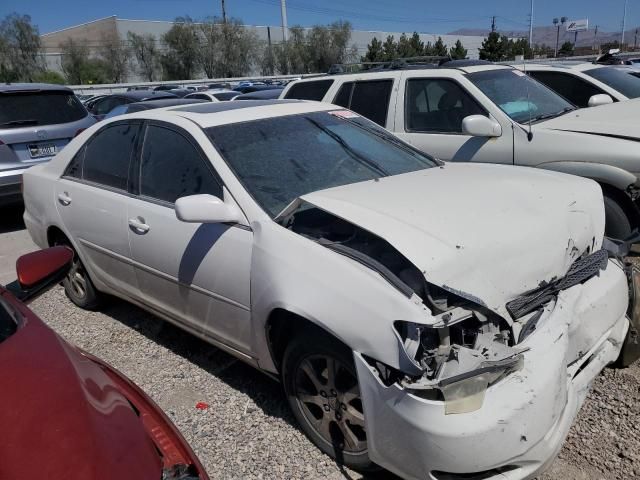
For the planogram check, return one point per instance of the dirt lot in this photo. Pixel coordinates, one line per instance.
(248, 432)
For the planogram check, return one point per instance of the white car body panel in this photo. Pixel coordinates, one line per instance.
(488, 232)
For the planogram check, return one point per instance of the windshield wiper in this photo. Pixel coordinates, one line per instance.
(547, 116)
(16, 123)
(350, 151)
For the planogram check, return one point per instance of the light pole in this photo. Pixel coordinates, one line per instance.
(558, 23)
(531, 26)
(624, 25)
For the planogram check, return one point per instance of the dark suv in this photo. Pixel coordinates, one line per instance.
(36, 122)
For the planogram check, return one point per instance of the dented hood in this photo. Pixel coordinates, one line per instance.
(486, 232)
(615, 119)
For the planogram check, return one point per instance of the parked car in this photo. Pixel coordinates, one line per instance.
(255, 87)
(36, 122)
(93, 99)
(82, 417)
(474, 111)
(107, 103)
(161, 88)
(150, 104)
(180, 92)
(403, 302)
(587, 84)
(271, 94)
(218, 86)
(216, 95)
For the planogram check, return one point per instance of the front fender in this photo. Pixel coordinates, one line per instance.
(602, 173)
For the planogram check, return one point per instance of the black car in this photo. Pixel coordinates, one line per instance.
(150, 104)
(256, 88)
(161, 88)
(270, 94)
(107, 103)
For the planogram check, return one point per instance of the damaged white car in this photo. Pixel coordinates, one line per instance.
(440, 321)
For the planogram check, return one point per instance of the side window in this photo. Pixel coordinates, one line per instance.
(368, 98)
(437, 106)
(74, 169)
(107, 155)
(104, 106)
(315, 90)
(199, 96)
(574, 89)
(171, 167)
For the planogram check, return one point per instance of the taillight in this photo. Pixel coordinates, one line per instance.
(79, 132)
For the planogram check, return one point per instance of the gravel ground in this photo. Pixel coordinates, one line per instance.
(248, 432)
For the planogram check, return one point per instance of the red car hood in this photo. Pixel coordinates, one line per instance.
(63, 417)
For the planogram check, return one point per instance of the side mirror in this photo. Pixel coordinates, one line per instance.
(481, 126)
(206, 208)
(39, 271)
(599, 99)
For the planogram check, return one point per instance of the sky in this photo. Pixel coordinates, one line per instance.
(386, 15)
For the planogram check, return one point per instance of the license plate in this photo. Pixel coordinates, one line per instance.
(42, 150)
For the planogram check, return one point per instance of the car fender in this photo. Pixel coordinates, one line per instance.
(602, 173)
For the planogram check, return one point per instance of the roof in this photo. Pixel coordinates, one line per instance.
(209, 114)
(261, 95)
(140, 95)
(165, 102)
(32, 87)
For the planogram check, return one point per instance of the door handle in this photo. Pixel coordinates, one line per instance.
(138, 226)
(64, 198)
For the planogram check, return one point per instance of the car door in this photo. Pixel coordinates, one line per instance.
(199, 274)
(91, 197)
(429, 113)
(369, 98)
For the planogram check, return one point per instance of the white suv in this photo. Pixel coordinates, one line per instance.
(475, 111)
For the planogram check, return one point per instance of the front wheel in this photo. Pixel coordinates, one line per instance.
(78, 286)
(322, 389)
(617, 223)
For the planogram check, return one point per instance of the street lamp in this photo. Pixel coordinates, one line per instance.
(558, 23)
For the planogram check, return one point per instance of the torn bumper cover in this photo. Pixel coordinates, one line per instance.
(517, 425)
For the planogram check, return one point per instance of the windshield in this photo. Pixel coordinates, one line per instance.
(279, 159)
(520, 96)
(620, 80)
(39, 108)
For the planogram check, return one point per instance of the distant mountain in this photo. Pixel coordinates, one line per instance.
(547, 35)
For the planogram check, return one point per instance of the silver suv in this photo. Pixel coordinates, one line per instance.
(36, 121)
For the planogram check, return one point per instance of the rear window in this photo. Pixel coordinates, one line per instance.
(369, 98)
(620, 80)
(309, 90)
(39, 108)
(223, 96)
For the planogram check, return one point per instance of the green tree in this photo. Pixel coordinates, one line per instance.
(115, 57)
(495, 48)
(566, 49)
(542, 50)
(416, 44)
(429, 50)
(20, 49)
(440, 49)
(182, 54)
(145, 51)
(519, 47)
(374, 51)
(458, 52)
(389, 49)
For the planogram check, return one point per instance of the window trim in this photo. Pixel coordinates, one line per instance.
(447, 79)
(86, 145)
(136, 164)
(355, 82)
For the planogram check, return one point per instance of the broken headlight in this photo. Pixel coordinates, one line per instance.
(456, 359)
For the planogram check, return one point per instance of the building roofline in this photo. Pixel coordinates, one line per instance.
(80, 25)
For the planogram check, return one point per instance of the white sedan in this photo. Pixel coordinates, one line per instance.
(436, 320)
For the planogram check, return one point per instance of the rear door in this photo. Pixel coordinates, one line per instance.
(429, 114)
(92, 198)
(35, 125)
(371, 98)
(196, 273)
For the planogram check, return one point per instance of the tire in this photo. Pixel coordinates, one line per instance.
(322, 388)
(617, 223)
(78, 286)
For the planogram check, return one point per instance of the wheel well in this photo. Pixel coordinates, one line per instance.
(282, 326)
(55, 234)
(624, 201)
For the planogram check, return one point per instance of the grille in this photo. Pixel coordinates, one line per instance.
(581, 271)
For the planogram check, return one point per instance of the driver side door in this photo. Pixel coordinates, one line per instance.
(429, 114)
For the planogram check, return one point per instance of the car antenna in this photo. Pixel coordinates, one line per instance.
(526, 79)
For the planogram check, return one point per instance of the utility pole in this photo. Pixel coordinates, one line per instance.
(624, 24)
(493, 23)
(224, 13)
(531, 26)
(595, 36)
(283, 12)
(557, 23)
(635, 40)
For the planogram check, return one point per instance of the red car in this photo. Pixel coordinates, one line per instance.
(66, 414)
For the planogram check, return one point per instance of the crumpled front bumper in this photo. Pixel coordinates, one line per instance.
(525, 417)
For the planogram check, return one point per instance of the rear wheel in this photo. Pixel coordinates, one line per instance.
(617, 223)
(322, 388)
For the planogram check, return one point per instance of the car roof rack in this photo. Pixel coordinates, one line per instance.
(430, 61)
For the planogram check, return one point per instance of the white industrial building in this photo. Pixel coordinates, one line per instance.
(92, 34)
